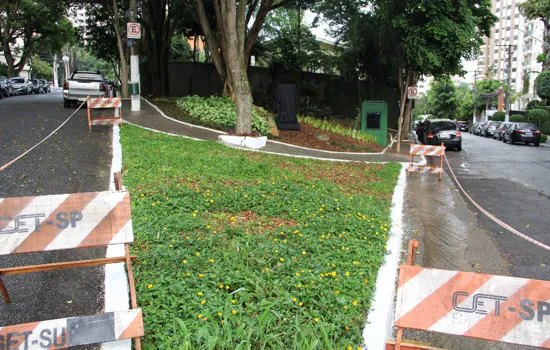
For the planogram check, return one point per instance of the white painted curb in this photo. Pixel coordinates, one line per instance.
(116, 281)
(380, 319)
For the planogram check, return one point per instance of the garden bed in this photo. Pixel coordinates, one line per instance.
(243, 249)
(306, 137)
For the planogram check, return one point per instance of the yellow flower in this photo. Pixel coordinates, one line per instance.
(233, 301)
(347, 273)
(234, 312)
(316, 319)
(188, 274)
(354, 303)
(171, 246)
(211, 260)
(199, 316)
(150, 286)
(359, 348)
(205, 319)
(185, 261)
(297, 274)
(333, 273)
(345, 307)
(337, 292)
(350, 348)
(220, 285)
(304, 252)
(153, 204)
(220, 314)
(199, 294)
(201, 275)
(226, 287)
(142, 195)
(300, 303)
(203, 302)
(194, 214)
(207, 226)
(282, 259)
(347, 328)
(245, 196)
(366, 281)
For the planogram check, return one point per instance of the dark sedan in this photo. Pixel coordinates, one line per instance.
(463, 127)
(444, 131)
(522, 132)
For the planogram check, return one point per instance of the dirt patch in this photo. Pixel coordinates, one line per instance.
(306, 138)
(246, 219)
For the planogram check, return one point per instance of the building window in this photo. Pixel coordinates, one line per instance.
(497, 30)
(509, 7)
(513, 80)
(514, 69)
(514, 59)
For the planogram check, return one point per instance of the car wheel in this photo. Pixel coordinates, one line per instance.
(512, 139)
(537, 144)
(459, 148)
(66, 103)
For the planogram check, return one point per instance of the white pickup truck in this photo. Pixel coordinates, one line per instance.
(83, 84)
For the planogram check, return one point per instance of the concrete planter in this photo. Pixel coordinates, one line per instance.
(244, 141)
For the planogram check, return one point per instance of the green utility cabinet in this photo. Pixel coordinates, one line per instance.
(374, 120)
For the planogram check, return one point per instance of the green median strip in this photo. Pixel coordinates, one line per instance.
(246, 250)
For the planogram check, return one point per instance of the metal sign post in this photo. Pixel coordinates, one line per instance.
(412, 93)
(133, 31)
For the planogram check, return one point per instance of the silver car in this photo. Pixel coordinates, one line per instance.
(83, 84)
(21, 86)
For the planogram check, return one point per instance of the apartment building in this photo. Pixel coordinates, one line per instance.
(525, 38)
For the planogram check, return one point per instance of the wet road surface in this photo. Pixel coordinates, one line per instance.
(508, 181)
(73, 160)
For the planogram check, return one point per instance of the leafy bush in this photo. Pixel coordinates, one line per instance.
(307, 106)
(517, 118)
(542, 85)
(539, 117)
(219, 110)
(543, 138)
(337, 129)
(533, 104)
(499, 116)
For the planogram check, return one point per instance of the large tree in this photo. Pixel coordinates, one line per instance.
(230, 37)
(400, 41)
(540, 9)
(442, 98)
(28, 25)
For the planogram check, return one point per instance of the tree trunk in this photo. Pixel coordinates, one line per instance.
(121, 53)
(243, 102)
(403, 89)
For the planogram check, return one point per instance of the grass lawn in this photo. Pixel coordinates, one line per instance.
(240, 250)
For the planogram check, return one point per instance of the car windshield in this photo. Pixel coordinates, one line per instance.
(494, 123)
(17, 80)
(444, 125)
(34, 81)
(87, 76)
(527, 126)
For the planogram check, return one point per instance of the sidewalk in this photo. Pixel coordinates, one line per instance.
(150, 117)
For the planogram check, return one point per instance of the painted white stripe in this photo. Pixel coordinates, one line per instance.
(532, 332)
(123, 320)
(379, 321)
(8, 243)
(92, 215)
(124, 235)
(417, 289)
(457, 322)
(1, 200)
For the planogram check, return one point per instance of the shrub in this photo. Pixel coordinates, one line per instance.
(219, 110)
(499, 116)
(533, 104)
(337, 129)
(539, 117)
(543, 138)
(517, 118)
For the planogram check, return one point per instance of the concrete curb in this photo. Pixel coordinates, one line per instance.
(116, 285)
(379, 321)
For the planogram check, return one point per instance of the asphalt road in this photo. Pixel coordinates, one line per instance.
(511, 182)
(73, 160)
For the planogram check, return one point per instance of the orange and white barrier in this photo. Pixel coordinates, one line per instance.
(102, 103)
(73, 331)
(491, 307)
(425, 150)
(33, 224)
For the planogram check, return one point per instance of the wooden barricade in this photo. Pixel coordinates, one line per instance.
(102, 103)
(490, 307)
(426, 150)
(68, 221)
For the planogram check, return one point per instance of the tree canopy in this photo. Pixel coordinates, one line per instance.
(542, 85)
(540, 9)
(442, 98)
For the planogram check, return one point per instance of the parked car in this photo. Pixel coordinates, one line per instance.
(473, 127)
(501, 128)
(36, 86)
(81, 84)
(45, 85)
(489, 128)
(443, 131)
(21, 86)
(522, 132)
(6, 88)
(463, 126)
(480, 128)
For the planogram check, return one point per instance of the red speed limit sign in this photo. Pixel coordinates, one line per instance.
(412, 92)
(133, 30)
